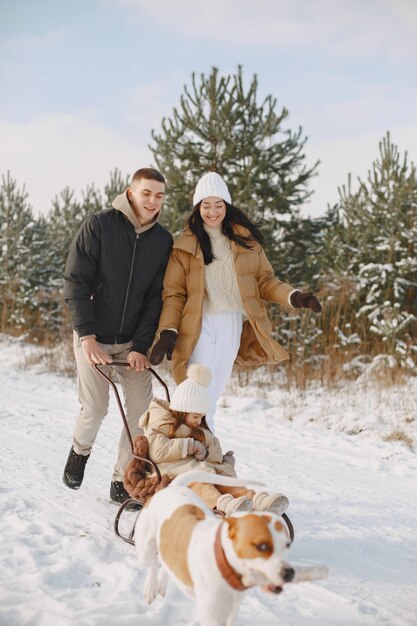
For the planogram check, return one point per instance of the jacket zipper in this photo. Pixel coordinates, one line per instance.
(96, 290)
(128, 285)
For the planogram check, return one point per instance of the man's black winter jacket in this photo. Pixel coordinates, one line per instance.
(113, 279)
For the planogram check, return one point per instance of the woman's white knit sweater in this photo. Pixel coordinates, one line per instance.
(222, 291)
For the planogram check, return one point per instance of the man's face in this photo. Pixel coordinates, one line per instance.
(146, 198)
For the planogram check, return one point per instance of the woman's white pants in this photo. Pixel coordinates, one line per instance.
(217, 348)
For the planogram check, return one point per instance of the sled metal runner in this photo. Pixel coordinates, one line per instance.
(153, 467)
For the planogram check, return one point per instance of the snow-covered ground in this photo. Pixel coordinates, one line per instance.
(353, 500)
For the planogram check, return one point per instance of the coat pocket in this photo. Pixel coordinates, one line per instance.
(250, 351)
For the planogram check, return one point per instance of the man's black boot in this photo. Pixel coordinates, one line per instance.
(74, 469)
(118, 495)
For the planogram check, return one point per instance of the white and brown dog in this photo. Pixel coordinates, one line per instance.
(212, 559)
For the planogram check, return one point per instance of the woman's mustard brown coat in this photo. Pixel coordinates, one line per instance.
(183, 298)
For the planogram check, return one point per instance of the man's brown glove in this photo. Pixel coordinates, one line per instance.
(164, 346)
(305, 300)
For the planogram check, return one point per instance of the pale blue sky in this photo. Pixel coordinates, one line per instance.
(84, 82)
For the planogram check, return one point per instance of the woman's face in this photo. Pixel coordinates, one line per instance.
(212, 211)
(193, 420)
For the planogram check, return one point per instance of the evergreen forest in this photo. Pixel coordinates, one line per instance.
(359, 256)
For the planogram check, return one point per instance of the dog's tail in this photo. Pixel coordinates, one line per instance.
(196, 476)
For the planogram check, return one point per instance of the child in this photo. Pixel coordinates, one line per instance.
(179, 440)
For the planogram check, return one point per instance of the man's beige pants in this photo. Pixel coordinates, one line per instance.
(93, 394)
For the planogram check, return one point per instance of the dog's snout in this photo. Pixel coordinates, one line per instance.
(288, 574)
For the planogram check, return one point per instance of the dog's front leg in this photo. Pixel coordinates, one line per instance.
(156, 581)
(162, 581)
(234, 607)
(151, 586)
(147, 553)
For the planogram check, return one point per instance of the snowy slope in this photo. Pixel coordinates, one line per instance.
(352, 501)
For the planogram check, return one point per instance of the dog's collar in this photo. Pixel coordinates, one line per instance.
(226, 570)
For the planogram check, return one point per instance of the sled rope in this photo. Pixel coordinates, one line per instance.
(137, 482)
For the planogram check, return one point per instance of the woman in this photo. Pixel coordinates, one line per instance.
(179, 441)
(216, 279)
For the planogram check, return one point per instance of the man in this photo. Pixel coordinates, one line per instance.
(113, 286)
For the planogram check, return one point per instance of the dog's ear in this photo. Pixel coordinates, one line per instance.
(280, 527)
(277, 525)
(232, 522)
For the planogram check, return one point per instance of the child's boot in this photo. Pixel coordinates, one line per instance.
(227, 504)
(274, 502)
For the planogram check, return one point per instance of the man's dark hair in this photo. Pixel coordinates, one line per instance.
(148, 173)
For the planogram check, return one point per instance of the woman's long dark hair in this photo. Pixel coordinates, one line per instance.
(233, 216)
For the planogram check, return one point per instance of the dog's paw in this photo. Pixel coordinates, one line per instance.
(150, 588)
(162, 582)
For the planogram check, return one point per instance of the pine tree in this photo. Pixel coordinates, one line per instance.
(43, 299)
(305, 251)
(380, 229)
(65, 218)
(16, 218)
(116, 185)
(378, 246)
(221, 126)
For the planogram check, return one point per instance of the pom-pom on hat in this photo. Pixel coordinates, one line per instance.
(191, 396)
(211, 184)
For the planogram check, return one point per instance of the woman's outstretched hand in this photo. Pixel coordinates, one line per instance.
(305, 300)
(164, 346)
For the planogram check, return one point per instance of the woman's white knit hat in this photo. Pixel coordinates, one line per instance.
(211, 184)
(191, 396)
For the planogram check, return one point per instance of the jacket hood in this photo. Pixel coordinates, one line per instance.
(159, 413)
(158, 410)
(122, 204)
(187, 241)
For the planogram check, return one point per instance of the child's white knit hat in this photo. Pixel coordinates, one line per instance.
(211, 184)
(191, 396)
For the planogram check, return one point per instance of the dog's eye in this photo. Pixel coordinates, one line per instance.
(287, 545)
(263, 547)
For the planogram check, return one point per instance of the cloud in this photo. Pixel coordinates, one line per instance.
(147, 105)
(32, 43)
(56, 151)
(350, 28)
(356, 113)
